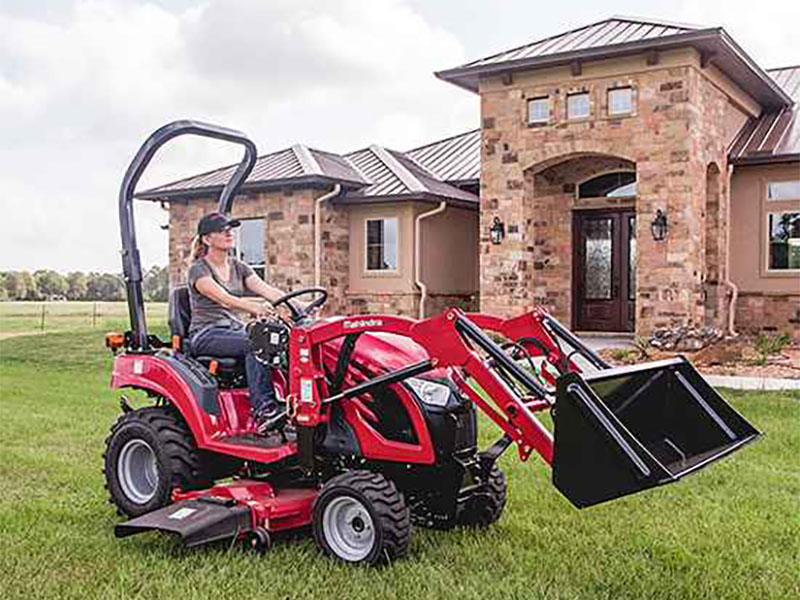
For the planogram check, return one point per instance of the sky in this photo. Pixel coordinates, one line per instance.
(84, 82)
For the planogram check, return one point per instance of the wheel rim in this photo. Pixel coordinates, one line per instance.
(138, 471)
(348, 528)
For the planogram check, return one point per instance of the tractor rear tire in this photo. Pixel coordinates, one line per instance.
(361, 517)
(486, 506)
(149, 453)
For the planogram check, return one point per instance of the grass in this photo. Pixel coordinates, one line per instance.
(729, 532)
(49, 317)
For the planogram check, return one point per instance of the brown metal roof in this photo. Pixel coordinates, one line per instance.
(456, 159)
(620, 36)
(616, 30)
(394, 175)
(369, 175)
(775, 134)
(298, 164)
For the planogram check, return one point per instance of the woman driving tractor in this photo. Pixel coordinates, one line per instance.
(217, 283)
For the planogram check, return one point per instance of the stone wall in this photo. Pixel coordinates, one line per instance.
(289, 239)
(407, 303)
(769, 313)
(671, 137)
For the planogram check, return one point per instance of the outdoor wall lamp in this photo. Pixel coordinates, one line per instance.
(659, 226)
(497, 231)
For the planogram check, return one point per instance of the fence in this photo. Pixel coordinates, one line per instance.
(68, 316)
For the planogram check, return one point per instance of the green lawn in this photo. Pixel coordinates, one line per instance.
(28, 317)
(731, 531)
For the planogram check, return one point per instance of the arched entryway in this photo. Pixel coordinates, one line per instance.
(584, 232)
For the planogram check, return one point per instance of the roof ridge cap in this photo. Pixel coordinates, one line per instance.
(661, 22)
(395, 166)
(782, 68)
(445, 139)
(539, 41)
(307, 161)
(349, 161)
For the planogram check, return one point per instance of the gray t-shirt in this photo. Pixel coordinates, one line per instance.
(205, 311)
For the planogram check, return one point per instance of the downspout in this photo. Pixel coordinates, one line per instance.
(317, 232)
(418, 252)
(734, 290)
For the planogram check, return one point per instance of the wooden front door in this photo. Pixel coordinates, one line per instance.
(604, 272)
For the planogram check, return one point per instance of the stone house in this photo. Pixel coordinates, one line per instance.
(628, 175)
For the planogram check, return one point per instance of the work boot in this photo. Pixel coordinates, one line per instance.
(269, 419)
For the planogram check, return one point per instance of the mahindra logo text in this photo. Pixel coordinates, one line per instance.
(363, 323)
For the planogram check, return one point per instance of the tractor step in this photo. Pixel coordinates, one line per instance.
(273, 440)
(197, 521)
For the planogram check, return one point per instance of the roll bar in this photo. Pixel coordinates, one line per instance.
(131, 265)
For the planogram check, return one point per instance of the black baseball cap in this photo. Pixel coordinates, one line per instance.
(215, 223)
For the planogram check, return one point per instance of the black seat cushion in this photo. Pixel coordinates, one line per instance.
(180, 317)
(180, 312)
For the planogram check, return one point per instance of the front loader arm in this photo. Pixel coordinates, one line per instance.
(450, 340)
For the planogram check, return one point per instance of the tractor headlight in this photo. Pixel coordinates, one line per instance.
(430, 392)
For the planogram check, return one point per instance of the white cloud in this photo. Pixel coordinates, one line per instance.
(80, 92)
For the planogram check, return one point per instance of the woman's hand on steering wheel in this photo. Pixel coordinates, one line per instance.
(298, 312)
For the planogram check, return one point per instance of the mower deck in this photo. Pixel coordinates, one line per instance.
(227, 511)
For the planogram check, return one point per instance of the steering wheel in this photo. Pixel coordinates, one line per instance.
(298, 314)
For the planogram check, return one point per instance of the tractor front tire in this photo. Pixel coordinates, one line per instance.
(149, 453)
(361, 517)
(485, 506)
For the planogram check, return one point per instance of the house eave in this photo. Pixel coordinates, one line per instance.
(770, 159)
(307, 181)
(727, 54)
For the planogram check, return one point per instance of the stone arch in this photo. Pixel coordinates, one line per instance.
(713, 263)
(551, 202)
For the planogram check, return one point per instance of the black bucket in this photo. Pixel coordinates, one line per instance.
(623, 430)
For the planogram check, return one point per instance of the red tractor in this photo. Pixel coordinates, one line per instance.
(384, 415)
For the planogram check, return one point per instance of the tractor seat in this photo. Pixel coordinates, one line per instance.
(180, 316)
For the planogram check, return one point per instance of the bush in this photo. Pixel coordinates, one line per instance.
(767, 346)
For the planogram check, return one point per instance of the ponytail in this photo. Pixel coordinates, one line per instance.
(199, 248)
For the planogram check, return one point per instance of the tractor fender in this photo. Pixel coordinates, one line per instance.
(185, 386)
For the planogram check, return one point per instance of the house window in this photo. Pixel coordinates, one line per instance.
(578, 106)
(620, 184)
(620, 101)
(382, 244)
(783, 230)
(249, 244)
(784, 190)
(539, 110)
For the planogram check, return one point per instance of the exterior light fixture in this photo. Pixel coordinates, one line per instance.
(659, 226)
(497, 231)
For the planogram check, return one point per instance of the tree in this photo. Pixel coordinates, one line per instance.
(76, 286)
(156, 284)
(105, 286)
(20, 286)
(49, 283)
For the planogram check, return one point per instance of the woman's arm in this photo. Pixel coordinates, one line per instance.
(255, 284)
(212, 290)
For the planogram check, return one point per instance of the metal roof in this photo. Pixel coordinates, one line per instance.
(298, 164)
(775, 134)
(393, 175)
(372, 174)
(455, 159)
(620, 36)
(616, 30)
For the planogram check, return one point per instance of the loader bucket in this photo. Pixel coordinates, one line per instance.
(623, 430)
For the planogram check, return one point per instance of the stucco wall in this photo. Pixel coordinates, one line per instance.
(749, 208)
(400, 280)
(449, 250)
